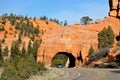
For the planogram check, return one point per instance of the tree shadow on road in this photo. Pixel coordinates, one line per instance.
(116, 71)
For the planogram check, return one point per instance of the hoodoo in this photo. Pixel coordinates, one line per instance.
(114, 8)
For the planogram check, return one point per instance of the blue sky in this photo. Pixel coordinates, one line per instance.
(70, 10)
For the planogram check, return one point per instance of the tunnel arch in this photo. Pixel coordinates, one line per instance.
(118, 37)
(71, 58)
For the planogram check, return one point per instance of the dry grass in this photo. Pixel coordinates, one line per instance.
(51, 74)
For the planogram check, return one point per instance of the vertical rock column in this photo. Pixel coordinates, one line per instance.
(118, 8)
(114, 8)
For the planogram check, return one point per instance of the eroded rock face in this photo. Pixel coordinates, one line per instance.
(74, 39)
(114, 8)
(77, 39)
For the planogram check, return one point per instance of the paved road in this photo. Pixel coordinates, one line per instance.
(91, 74)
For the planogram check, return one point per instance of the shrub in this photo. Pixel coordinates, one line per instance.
(85, 20)
(9, 74)
(21, 68)
(100, 54)
(109, 65)
(91, 51)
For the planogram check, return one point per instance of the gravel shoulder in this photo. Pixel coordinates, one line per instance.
(50, 74)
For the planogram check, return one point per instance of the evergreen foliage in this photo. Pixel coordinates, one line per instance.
(15, 49)
(9, 74)
(106, 38)
(1, 56)
(35, 48)
(91, 51)
(65, 23)
(5, 52)
(44, 18)
(29, 51)
(36, 30)
(21, 68)
(23, 52)
(85, 20)
(19, 39)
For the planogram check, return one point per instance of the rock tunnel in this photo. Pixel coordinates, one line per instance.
(74, 40)
(71, 59)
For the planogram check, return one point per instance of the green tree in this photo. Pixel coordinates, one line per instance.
(21, 68)
(91, 51)
(17, 25)
(85, 20)
(5, 52)
(23, 52)
(29, 50)
(15, 49)
(35, 48)
(106, 38)
(9, 74)
(1, 56)
(111, 36)
(44, 18)
(26, 17)
(36, 30)
(65, 23)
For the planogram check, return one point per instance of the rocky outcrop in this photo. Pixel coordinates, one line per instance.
(77, 39)
(74, 39)
(114, 8)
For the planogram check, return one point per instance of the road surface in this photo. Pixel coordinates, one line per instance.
(91, 74)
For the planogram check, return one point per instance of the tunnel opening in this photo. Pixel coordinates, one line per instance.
(118, 39)
(63, 58)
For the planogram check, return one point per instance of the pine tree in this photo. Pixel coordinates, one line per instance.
(35, 49)
(29, 50)
(91, 51)
(106, 38)
(36, 30)
(102, 38)
(1, 57)
(111, 36)
(65, 23)
(23, 52)
(5, 52)
(15, 49)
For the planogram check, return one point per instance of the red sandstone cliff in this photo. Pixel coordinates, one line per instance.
(77, 39)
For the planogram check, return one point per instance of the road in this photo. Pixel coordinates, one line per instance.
(91, 74)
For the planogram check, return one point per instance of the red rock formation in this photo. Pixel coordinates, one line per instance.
(114, 8)
(76, 39)
(73, 39)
